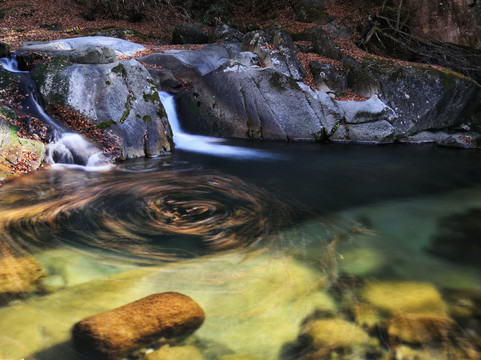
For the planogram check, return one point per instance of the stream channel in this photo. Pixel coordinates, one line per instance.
(266, 238)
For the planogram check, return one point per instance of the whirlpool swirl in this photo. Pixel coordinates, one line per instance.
(145, 215)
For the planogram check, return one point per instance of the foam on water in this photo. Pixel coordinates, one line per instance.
(73, 150)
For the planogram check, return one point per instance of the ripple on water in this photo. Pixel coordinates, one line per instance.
(157, 215)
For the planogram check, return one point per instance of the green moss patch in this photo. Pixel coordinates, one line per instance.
(106, 124)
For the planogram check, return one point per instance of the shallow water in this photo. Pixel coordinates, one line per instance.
(263, 245)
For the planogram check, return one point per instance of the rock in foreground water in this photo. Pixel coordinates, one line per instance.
(119, 331)
(19, 276)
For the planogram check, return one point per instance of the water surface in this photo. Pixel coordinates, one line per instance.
(265, 245)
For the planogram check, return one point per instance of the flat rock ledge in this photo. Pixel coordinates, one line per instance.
(118, 332)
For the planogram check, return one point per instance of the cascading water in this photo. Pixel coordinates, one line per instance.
(66, 148)
(11, 64)
(203, 144)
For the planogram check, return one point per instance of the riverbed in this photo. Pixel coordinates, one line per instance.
(265, 243)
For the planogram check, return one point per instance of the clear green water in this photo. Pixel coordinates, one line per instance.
(370, 236)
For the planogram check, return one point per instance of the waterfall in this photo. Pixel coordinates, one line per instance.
(66, 148)
(11, 64)
(203, 144)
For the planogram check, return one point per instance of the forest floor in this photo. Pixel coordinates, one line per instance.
(45, 20)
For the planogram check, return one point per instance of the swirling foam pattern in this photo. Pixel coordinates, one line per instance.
(145, 215)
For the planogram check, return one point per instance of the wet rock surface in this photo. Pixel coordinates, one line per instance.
(19, 276)
(122, 330)
(119, 97)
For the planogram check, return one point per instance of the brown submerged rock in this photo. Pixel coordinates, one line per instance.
(19, 276)
(117, 332)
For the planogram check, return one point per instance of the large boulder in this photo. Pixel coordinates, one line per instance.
(17, 155)
(89, 54)
(66, 46)
(450, 21)
(119, 331)
(423, 98)
(120, 97)
(190, 64)
(276, 50)
(246, 102)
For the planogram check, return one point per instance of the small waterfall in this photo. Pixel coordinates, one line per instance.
(66, 148)
(73, 149)
(203, 144)
(11, 64)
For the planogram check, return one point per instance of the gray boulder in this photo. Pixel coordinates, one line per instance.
(120, 97)
(276, 50)
(65, 46)
(424, 98)
(328, 78)
(226, 34)
(190, 64)
(88, 54)
(260, 103)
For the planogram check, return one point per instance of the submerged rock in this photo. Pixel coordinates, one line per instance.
(402, 297)
(121, 330)
(457, 238)
(269, 295)
(334, 333)
(19, 276)
(417, 328)
(175, 353)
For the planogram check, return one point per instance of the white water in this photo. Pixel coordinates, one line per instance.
(11, 64)
(203, 144)
(73, 150)
(67, 149)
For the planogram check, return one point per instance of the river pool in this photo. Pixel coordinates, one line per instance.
(306, 251)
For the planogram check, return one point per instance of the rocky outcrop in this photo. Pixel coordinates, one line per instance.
(449, 21)
(64, 47)
(255, 93)
(423, 98)
(238, 101)
(190, 64)
(276, 50)
(119, 331)
(253, 90)
(120, 97)
(17, 155)
(89, 54)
